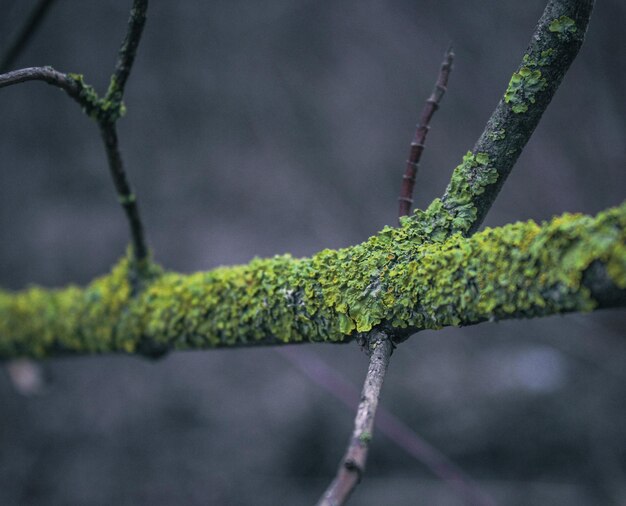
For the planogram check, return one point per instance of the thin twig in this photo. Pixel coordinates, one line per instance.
(417, 146)
(125, 194)
(405, 438)
(46, 74)
(353, 462)
(113, 99)
(25, 34)
(128, 50)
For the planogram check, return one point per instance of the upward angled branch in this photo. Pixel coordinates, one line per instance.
(108, 130)
(477, 180)
(127, 52)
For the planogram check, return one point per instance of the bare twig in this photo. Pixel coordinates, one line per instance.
(353, 462)
(25, 34)
(417, 146)
(389, 425)
(48, 75)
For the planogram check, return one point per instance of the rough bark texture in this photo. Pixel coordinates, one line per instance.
(402, 279)
(553, 47)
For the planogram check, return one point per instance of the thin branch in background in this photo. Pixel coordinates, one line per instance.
(105, 111)
(352, 464)
(389, 425)
(24, 35)
(417, 146)
(113, 101)
(128, 50)
(126, 197)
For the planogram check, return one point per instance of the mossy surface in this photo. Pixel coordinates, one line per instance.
(563, 26)
(523, 87)
(108, 109)
(411, 277)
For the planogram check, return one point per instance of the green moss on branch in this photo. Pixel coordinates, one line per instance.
(553, 46)
(404, 278)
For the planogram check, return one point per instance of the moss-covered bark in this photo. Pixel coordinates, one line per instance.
(404, 279)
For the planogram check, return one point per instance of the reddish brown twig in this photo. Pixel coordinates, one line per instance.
(417, 146)
(352, 464)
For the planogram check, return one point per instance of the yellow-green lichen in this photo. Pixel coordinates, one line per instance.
(497, 135)
(563, 26)
(523, 88)
(398, 277)
(107, 109)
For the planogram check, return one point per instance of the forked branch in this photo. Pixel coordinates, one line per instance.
(105, 111)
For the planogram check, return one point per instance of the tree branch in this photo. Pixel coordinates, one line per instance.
(48, 75)
(476, 182)
(389, 425)
(105, 111)
(22, 38)
(417, 146)
(353, 462)
(114, 100)
(128, 50)
(125, 194)
(390, 283)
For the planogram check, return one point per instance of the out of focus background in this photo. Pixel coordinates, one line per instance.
(257, 128)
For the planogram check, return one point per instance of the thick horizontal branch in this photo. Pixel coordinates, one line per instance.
(395, 281)
(478, 179)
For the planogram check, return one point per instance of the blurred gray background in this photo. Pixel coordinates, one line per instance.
(257, 128)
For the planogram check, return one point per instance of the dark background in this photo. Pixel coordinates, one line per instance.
(257, 128)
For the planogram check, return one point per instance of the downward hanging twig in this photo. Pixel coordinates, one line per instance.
(417, 146)
(390, 426)
(352, 464)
